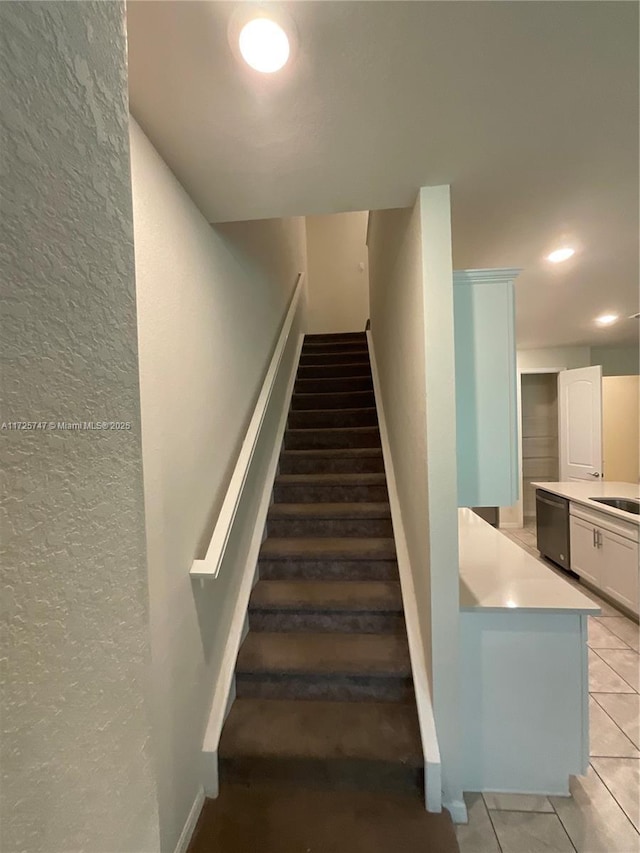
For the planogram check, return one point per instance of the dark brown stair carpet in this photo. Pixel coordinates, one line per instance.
(260, 819)
(316, 439)
(329, 488)
(337, 606)
(335, 384)
(335, 520)
(337, 357)
(332, 337)
(332, 418)
(324, 692)
(324, 371)
(340, 460)
(333, 400)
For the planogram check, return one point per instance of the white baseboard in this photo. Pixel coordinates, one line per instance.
(190, 825)
(509, 525)
(458, 811)
(224, 690)
(430, 748)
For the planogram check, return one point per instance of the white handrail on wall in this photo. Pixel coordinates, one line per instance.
(209, 567)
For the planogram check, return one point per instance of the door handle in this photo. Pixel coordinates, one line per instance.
(595, 538)
(594, 474)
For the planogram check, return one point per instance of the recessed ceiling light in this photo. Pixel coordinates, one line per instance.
(264, 45)
(560, 255)
(606, 319)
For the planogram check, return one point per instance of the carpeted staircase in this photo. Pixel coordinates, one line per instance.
(323, 678)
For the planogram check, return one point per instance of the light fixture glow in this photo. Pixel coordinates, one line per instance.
(561, 255)
(264, 45)
(606, 319)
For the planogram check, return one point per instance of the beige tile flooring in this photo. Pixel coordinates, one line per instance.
(603, 813)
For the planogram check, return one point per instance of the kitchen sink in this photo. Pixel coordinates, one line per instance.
(626, 504)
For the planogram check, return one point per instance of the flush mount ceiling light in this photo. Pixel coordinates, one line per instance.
(560, 255)
(606, 319)
(264, 45)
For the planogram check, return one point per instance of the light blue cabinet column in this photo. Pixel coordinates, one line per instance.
(486, 405)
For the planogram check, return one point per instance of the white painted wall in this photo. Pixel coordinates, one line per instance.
(621, 428)
(412, 332)
(617, 360)
(338, 290)
(76, 763)
(563, 358)
(210, 305)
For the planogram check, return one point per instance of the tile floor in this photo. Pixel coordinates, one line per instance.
(603, 813)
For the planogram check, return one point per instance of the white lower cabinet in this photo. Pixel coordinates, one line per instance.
(586, 560)
(604, 551)
(619, 577)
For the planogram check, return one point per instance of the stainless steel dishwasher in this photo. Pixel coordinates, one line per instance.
(552, 523)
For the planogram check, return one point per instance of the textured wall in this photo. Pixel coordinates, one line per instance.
(338, 290)
(75, 746)
(210, 305)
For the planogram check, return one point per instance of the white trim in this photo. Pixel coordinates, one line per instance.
(458, 811)
(225, 683)
(430, 748)
(209, 567)
(190, 825)
(486, 276)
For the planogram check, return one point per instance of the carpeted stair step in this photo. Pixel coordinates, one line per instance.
(335, 337)
(327, 606)
(348, 460)
(332, 418)
(329, 519)
(305, 819)
(359, 367)
(328, 559)
(315, 348)
(366, 745)
(367, 607)
(330, 488)
(333, 385)
(322, 359)
(334, 400)
(332, 438)
(337, 667)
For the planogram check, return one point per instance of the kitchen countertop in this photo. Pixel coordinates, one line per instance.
(498, 575)
(580, 491)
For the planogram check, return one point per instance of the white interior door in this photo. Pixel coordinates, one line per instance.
(580, 423)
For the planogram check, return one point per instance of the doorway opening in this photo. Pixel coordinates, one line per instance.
(539, 430)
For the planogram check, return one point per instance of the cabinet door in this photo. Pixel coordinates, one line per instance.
(620, 571)
(586, 558)
(487, 439)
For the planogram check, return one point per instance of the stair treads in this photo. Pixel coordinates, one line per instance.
(335, 336)
(332, 418)
(334, 384)
(272, 728)
(332, 479)
(333, 400)
(336, 357)
(351, 596)
(328, 549)
(332, 438)
(334, 346)
(361, 367)
(336, 654)
(331, 510)
(364, 460)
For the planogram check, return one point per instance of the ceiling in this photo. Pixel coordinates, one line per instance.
(528, 109)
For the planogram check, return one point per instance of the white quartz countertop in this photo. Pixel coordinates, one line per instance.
(496, 574)
(581, 491)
